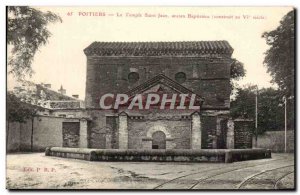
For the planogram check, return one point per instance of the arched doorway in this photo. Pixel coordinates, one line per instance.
(158, 140)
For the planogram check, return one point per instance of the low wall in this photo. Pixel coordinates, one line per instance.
(76, 153)
(18, 136)
(47, 131)
(204, 155)
(274, 140)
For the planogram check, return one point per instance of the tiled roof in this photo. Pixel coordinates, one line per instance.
(187, 48)
(51, 94)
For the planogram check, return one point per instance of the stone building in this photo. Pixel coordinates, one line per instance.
(199, 67)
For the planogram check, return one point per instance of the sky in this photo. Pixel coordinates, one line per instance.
(62, 61)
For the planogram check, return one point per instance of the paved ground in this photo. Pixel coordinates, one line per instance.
(39, 171)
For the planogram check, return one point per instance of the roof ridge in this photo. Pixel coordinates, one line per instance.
(190, 41)
(158, 48)
(53, 91)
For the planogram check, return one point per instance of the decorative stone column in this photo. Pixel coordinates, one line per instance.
(123, 131)
(196, 131)
(230, 134)
(83, 135)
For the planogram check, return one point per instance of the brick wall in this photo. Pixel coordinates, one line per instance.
(208, 76)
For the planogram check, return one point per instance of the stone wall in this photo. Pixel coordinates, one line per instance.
(181, 155)
(101, 130)
(209, 126)
(274, 140)
(47, 131)
(179, 133)
(206, 76)
(175, 124)
(69, 113)
(71, 133)
(100, 134)
(13, 136)
(243, 133)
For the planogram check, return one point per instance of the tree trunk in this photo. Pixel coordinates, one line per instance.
(7, 133)
(31, 138)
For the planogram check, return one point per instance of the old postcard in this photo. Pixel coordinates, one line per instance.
(161, 98)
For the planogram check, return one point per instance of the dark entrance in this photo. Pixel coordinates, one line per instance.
(70, 134)
(159, 140)
(111, 124)
(223, 135)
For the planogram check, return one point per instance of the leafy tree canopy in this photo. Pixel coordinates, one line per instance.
(26, 33)
(18, 111)
(280, 57)
(237, 72)
(270, 107)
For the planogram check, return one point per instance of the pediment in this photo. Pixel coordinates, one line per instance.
(161, 84)
(160, 89)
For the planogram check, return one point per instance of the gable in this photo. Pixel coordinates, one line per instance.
(161, 84)
(159, 89)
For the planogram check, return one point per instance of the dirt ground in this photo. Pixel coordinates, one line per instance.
(37, 171)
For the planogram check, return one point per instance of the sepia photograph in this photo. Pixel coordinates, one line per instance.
(150, 98)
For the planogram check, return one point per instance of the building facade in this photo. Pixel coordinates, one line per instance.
(201, 68)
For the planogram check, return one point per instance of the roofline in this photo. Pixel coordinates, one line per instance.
(222, 45)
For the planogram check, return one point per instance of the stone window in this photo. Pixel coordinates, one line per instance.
(180, 77)
(133, 77)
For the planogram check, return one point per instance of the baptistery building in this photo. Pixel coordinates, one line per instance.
(142, 95)
(196, 67)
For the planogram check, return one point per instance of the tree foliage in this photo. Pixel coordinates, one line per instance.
(237, 72)
(270, 107)
(280, 57)
(244, 104)
(26, 33)
(18, 111)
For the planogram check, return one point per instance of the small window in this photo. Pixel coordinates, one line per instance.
(180, 77)
(154, 146)
(133, 77)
